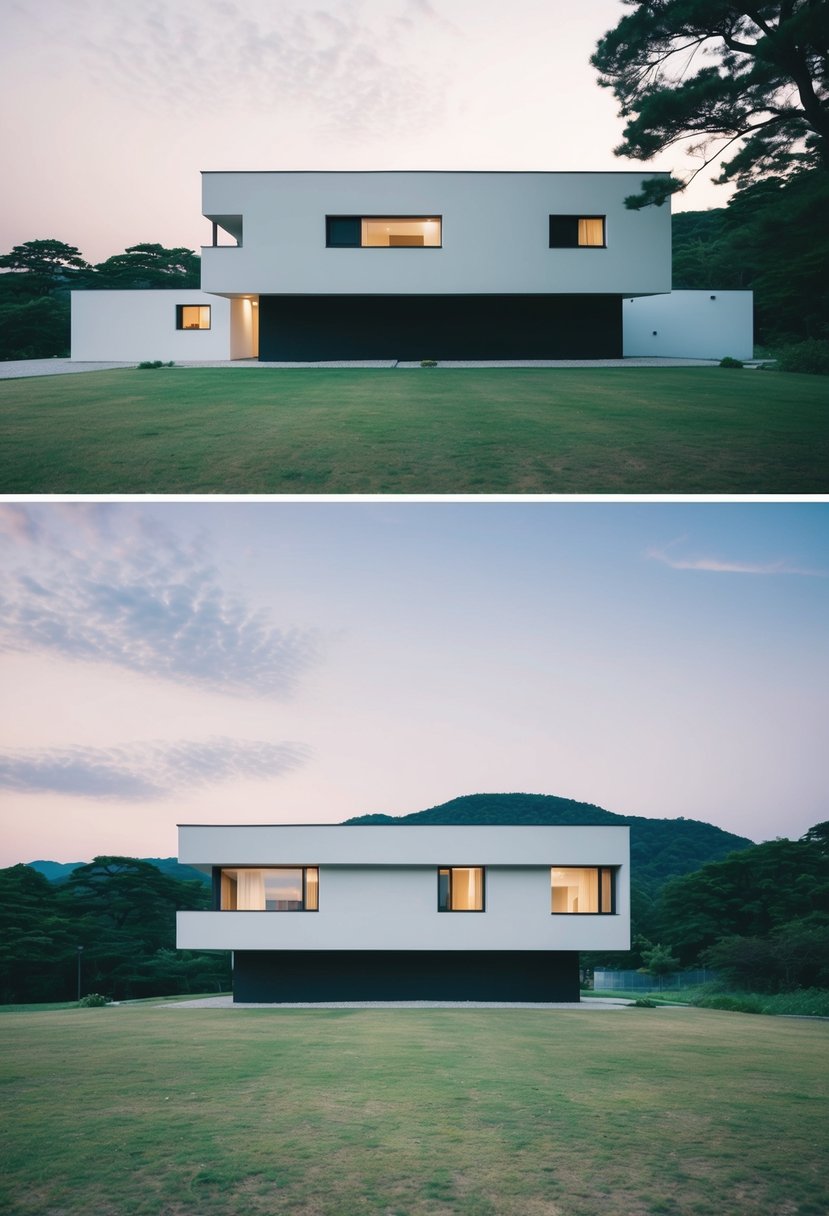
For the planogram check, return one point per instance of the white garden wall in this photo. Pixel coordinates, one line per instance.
(690, 325)
(133, 326)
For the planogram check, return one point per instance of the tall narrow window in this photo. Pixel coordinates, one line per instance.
(383, 232)
(461, 889)
(577, 232)
(269, 889)
(582, 889)
(192, 316)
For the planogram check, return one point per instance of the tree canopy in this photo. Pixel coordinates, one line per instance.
(147, 266)
(720, 74)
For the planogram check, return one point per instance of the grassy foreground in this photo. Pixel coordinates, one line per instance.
(170, 1111)
(437, 431)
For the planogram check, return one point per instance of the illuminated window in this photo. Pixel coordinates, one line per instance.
(580, 889)
(577, 232)
(192, 316)
(269, 889)
(378, 232)
(461, 889)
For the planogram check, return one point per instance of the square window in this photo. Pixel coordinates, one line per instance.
(192, 316)
(577, 890)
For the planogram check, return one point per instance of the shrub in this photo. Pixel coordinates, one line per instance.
(152, 364)
(428, 362)
(811, 356)
(729, 362)
(644, 1002)
(93, 1000)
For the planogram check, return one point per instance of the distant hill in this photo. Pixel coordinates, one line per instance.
(59, 871)
(659, 848)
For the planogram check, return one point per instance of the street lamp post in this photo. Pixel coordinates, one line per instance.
(80, 956)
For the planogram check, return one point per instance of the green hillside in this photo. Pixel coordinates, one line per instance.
(660, 848)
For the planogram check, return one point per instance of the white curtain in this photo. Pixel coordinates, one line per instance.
(251, 891)
(591, 232)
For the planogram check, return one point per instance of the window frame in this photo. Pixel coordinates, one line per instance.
(434, 216)
(450, 870)
(612, 871)
(219, 871)
(193, 329)
(576, 218)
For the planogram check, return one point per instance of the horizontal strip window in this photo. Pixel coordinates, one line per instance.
(192, 316)
(461, 889)
(269, 889)
(577, 232)
(383, 231)
(579, 890)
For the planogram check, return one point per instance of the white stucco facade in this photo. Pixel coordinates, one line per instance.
(378, 888)
(690, 325)
(495, 234)
(133, 326)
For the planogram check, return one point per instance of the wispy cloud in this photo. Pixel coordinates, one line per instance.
(146, 771)
(140, 598)
(718, 565)
(351, 61)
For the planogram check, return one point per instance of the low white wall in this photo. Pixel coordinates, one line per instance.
(690, 325)
(133, 326)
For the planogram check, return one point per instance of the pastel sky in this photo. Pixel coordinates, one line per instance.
(291, 662)
(110, 108)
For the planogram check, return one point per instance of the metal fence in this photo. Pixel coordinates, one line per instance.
(634, 980)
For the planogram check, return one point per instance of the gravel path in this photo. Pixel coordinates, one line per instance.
(16, 369)
(226, 1002)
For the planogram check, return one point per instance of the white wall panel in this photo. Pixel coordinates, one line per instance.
(133, 326)
(690, 325)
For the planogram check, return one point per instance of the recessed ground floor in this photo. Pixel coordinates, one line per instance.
(317, 327)
(289, 976)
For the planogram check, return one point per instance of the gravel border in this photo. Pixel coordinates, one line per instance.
(16, 369)
(225, 1001)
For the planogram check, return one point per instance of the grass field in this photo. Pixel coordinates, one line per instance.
(178, 1112)
(441, 431)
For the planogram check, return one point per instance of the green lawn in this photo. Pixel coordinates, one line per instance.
(437, 431)
(178, 1112)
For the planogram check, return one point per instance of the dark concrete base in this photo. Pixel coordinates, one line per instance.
(320, 328)
(281, 976)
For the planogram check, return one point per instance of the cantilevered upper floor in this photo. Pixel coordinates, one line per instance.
(409, 888)
(430, 233)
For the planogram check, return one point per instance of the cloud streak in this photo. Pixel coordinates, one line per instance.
(144, 601)
(146, 771)
(718, 565)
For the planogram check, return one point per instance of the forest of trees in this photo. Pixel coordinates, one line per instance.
(121, 911)
(34, 291)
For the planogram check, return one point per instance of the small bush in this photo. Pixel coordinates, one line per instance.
(428, 362)
(93, 1000)
(644, 1002)
(729, 362)
(811, 356)
(152, 364)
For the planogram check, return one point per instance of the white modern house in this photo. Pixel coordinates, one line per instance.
(396, 912)
(330, 266)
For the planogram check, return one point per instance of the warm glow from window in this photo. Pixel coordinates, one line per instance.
(400, 232)
(579, 889)
(270, 889)
(591, 232)
(461, 889)
(194, 316)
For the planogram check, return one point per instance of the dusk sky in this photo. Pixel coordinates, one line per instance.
(110, 109)
(291, 662)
